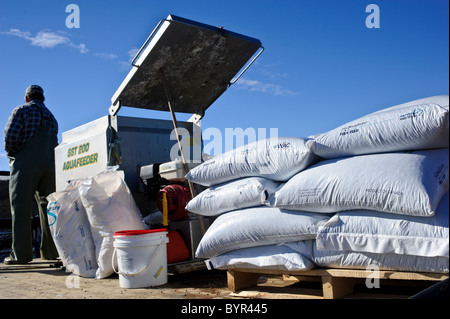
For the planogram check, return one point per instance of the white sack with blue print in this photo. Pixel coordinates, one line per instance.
(276, 158)
(71, 231)
(416, 125)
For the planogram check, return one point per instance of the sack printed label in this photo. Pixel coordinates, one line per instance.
(281, 145)
(352, 128)
(441, 173)
(355, 128)
(52, 210)
(417, 112)
(311, 192)
(384, 191)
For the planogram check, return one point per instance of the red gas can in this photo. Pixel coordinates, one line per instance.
(176, 248)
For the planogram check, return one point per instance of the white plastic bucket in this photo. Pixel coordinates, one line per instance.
(141, 257)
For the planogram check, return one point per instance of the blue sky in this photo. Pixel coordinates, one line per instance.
(322, 66)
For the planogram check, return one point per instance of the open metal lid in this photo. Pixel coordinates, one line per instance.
(198, 61)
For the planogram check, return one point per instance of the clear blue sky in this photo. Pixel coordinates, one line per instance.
(321, 66)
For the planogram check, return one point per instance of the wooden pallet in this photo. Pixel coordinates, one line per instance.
(335, 283)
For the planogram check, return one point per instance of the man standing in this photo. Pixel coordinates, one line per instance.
(30, 139)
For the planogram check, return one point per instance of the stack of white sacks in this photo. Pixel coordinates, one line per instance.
(373, 192)
(84, 217)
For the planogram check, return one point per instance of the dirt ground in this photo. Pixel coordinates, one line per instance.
(41, 279)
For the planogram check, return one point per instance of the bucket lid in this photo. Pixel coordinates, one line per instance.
(138, 232)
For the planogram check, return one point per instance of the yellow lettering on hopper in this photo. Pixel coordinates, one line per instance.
(81, 161)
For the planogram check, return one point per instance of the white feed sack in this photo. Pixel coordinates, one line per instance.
(71, 232)
(230, 196)
(410, 183)
(377, 232)
(416, 125)
(277, 159)
(385, 261)
(280, 257)
(110, 208)
(257, 226)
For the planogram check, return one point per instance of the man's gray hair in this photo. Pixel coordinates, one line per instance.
(35, 92)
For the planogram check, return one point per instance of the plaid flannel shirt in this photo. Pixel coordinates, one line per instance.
(23, 122)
